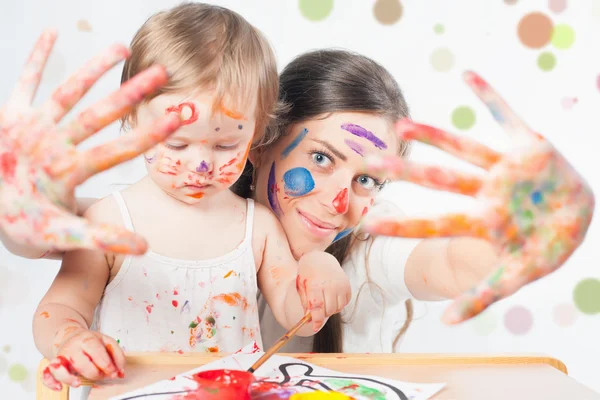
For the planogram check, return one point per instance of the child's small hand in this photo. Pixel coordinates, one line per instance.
(323, 286)
(85, 354)
(40, 165)
(533, 206)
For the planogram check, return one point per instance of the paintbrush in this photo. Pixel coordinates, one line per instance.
(282, 341)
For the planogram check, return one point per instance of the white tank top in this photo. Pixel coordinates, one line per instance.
(156, 303)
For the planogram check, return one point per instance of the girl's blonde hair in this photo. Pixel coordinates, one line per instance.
(206, 47)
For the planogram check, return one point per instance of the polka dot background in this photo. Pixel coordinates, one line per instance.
(518, 320)
(387, 12)
(442, 60)
(538, 53)
(463, 117)
(316, 10)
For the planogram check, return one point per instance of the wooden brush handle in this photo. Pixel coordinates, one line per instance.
(282, 341)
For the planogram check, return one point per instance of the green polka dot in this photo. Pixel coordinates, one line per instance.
(439, 29)
(17, 373)
(546, 61)
(315, 10)
(563, 37)
(463, 117)
(587, 296)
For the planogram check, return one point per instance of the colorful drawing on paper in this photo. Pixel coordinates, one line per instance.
(279, 378)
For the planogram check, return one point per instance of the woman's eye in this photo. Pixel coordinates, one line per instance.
(321, 160)
(175, 146)
(367, 182)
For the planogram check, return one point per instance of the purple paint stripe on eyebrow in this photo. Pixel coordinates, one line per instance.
(356, 147)
(359, 131)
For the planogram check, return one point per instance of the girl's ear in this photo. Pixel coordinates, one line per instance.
(255, 156)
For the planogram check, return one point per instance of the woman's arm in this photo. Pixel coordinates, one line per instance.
(440, 269)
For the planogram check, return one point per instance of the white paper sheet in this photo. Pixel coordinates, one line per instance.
(293, 375)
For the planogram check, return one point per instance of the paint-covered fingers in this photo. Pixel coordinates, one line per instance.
(459, 146)
(438, 178)
(116, 354)
(100, 352)
(68, 94)
(117, 104)
(442, 226)
(24, 91)
(505, 280)
(316, 305)
(301, 289)
(122, 149)
(501, 112)
(66, 232)
(59, 371)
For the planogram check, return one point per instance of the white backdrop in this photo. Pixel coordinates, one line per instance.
(426, 46)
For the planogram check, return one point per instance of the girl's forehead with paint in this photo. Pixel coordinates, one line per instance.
(201, 119)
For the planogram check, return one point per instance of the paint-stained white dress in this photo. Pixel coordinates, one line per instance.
(156, 303)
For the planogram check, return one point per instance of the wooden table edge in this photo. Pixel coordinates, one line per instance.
(196, 359)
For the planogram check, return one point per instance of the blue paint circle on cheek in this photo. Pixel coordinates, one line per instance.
(298, 182)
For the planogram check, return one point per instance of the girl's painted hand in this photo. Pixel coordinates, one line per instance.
(40, 165)
(532, 205)
(323, 286)
(85, 354)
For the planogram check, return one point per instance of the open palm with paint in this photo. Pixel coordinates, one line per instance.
(533, 206)
(40, 166)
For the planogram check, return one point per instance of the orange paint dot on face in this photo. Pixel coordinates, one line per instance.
(196, 195)
(340, 203)
(45, 314)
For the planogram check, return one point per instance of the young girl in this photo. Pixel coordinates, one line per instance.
(196, 288)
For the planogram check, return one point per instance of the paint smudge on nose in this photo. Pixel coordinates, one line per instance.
(356, 147)
(272, 192)
(340, 203)
(342, 234)
(203, 167)
(178, 109)
(359, 131)
(298, 182)
(286, 152)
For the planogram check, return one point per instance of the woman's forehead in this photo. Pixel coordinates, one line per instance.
(376, 130)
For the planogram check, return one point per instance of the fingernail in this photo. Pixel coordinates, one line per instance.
(76, 383)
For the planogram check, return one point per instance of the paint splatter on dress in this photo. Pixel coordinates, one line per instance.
(157, 303)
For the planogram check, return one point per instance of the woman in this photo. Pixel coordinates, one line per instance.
(341, 107)
(328, 96)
